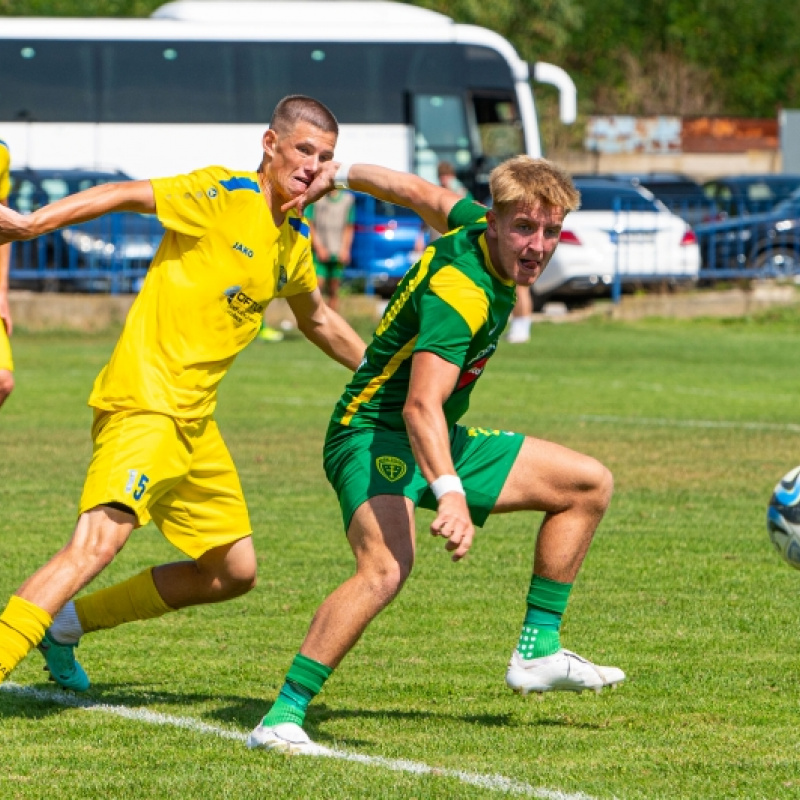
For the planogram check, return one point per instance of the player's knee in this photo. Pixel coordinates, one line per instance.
(235, 579)
(237, 585)
(387, 577)
(6, 384)
(91, 555)
(597, 484)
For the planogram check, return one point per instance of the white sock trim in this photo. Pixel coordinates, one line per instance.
(66, 627)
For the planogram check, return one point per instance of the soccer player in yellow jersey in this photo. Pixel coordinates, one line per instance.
(228, 250)
(6, 325)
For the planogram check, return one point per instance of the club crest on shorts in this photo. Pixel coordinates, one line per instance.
(391, 467)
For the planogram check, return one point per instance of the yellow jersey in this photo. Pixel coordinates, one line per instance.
(5, 167)
(220, 263)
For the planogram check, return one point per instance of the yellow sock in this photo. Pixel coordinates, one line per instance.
(22, 626)
(134, 599)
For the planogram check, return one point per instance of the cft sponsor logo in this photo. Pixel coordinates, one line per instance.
(241, 307)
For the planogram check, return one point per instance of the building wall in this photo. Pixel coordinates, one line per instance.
(700, 166)
(701, 147)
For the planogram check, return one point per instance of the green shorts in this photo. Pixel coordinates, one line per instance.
(330, 269)
(363, 463)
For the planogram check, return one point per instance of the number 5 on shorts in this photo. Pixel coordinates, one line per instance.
(141, 487)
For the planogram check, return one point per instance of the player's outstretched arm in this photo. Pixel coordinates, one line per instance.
(432, 382)
(322, 326)
(432, 203)
(5, 265)
(126, 196)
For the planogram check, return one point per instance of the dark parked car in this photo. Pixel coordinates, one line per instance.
(735, 195)
(681, 194)
(108, 254)
(767, 244)
(386, 242)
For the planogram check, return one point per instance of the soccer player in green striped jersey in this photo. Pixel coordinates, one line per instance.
(394, 441)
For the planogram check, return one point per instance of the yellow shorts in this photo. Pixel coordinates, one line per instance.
(6, 362)
(178, 473)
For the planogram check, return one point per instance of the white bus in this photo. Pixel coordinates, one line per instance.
(196, 83)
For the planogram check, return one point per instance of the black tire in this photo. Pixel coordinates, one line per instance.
(778, 261)
(539, 301)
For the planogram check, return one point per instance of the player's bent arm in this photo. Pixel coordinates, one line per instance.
(134, 196)
(432, 203)
(5, 265)
(322, 326)
(432, 381)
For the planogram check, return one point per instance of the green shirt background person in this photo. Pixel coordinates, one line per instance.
(332, 221)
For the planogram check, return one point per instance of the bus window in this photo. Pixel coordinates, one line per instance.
(362, 82)
(168, 81)
(441, 134)
(484, 68)
(46, 81)
(499, 128)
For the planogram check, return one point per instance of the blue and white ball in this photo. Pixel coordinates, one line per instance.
(783, 518)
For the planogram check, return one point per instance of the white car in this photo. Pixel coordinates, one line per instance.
(621, 235)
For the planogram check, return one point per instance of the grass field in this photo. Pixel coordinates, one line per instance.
(697, 421)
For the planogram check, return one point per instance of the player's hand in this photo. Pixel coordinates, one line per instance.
(320, 186)
(454, 524)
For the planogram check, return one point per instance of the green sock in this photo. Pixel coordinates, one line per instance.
(304, 682)
(540, 631)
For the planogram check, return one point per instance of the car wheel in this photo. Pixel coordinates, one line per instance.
(778, 261)
(539, 301)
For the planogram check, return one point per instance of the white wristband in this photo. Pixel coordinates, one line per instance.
(340, 180)
(446, 483)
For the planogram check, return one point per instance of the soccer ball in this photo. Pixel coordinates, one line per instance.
(783, 518)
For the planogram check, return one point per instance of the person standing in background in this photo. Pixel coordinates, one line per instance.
(6, 324)
(519, 329)
(332, 221)
(448, 179)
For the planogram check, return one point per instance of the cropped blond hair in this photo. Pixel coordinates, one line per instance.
(532, 182)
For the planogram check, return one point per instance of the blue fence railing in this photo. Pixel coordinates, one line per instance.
(112, 254)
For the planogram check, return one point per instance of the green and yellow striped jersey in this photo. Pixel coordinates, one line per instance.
(451, 302)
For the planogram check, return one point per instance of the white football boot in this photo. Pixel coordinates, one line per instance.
(564, 671)
(285, 737)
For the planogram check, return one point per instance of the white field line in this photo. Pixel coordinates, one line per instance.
(496, 783)
(664, 422)
(789, 427)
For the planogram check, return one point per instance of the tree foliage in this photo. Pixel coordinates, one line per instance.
(78, 8)
(626, 56)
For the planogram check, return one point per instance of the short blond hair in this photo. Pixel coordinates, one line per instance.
(532, 182)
